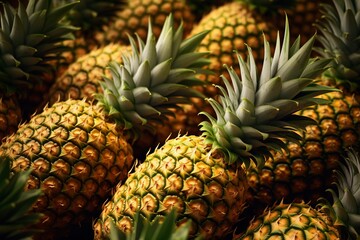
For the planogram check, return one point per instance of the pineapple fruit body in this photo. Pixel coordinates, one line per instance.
(134, 18)
(185, 174)
(291, 221)
(232, 27)
(77, 156)
(82, 78)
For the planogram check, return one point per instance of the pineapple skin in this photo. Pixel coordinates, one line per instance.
(291, 221)
(134, 18)
(307, 169)
(77, 156)
(232, 27)
(185, 173)
(82, 78)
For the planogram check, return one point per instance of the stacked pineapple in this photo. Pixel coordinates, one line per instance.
(305, 171)
(79, 150)
(232, 25)
(339, 220)
(202, 177)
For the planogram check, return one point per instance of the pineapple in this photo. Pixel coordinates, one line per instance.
(79, 150)
(305, 171)
(232, 26)
(339, 220)
(202, 177)
(27, 47)
(134, 19)
(15, 219)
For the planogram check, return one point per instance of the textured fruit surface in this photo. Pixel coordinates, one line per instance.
(186, 174)
(76, 156)
(82, 78)
(291, 221)
(135, 16)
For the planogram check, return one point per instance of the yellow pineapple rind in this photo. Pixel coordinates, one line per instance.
(77, 156)
(184, 173)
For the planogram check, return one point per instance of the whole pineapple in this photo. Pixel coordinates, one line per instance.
(79, 150)
(15, 204)
(339, 220)
(202, 177)
(30, 36)
(305, 171)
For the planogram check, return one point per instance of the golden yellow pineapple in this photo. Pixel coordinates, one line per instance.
(306, 170)
(291, 221)
(79, 150)
(202, 176)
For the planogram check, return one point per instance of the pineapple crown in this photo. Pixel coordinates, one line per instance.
(15, 203)
(340, 39)
(155, 77)
(30, 37)
(144, 229)
(346, 207)
(91, 15)
(255, 110)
